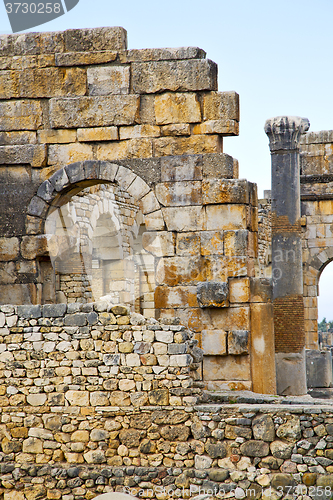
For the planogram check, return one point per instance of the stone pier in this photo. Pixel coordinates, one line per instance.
(284, 135)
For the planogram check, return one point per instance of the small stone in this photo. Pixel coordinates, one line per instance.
(95, 457)
(291, 430)
(263, 428)
(99, 435)
(202, 462)
(255, 448)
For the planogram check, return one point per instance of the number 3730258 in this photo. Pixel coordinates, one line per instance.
(33, 8)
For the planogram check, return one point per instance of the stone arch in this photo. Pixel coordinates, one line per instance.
(312, 271)
(71, 179)
(67, 182)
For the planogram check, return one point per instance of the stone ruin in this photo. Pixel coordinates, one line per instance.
(143, 284)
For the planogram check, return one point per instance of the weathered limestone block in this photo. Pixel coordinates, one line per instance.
(222, 127)
(65, 154)
(178, 296)
(139, 131)
(226, 368)
(214, 342)
(263, 428)
(226, 217)
(188, 243)
(291, 430)
(133, 148)
(212, 243)
(56, 136)
(42, 82)
(160, 244)
(238, 342)
(85, 58)
(33, 246)
(77, 398)
(181, 168)
(213, 294)
(195, 144)
(17, 293)
(219, 268)
(165, 54)
(174, 271)
(175, 129)
(94, 111)
(177, 108)
(221, 106)
(183, 219)
(7, 272)
(190, 75)
(17, 138)
(239, 290)
(32, 43)
(9, 249)
(179, 193)
(33, 154)
(95, 39)
(106, 80)
(225, 191)
(236, 242)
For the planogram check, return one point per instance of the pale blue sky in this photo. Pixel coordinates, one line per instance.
(276, 55)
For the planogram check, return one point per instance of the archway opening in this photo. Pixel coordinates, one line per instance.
(95, 249)
(325, 307)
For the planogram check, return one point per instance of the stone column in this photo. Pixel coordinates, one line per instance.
(284, 135)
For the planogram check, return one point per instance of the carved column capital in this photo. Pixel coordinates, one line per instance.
(284, 132)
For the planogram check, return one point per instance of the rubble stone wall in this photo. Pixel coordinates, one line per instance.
(253, 451)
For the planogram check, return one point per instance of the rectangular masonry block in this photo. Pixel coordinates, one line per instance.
(97, 134)
(175, 130)
(20, 115)
(225, 191)
(177, 108)
(106, 80)
(231, 318)
(214, 342)
(236, 242)
(211, 243)
(179, 193)
(188, 243)
(33, 154)
(239, 290)
(138, 131)
(180, 168)
(183, 219)
(160, 243)
(222, 127)
(94, 111)
(173, 271)
(226, 216)
(133, 148)
(95, 39)
(57, 136)
(17, 138)
(195, 144)
(220, 267)
(69, 153)
(175, 297)
(177, 76)
(226, 368)
(221, 105)
(85, 58)
(165, 54)
(42, 82)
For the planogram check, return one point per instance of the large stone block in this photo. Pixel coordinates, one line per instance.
(221, 127)
(175, 297)
(42, 82)
(165, 54)
(94, 111)
(106, 80)
(174, 271)
(214, 342)
(64, 154)
(221, 105)
(17, 138)
(236, 242)
(239, 290)
(133, 148)
(160, 244)
(238, 342)
(9, 249)
(85, 58)
(138, 131)
(182, 76)
(213, 294)
(225, 191)
(56, 136)
(195, 144)
(318, 368)
(33, 246)
(17, 294)
(183, 219)
(188, 243)
(95, 39)
(212, 243)
(226, 216)
(177, 108)
(226, 368)
(181, 168)
(32, 154)
(24, 44)
(219, 268)
(179, 193)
